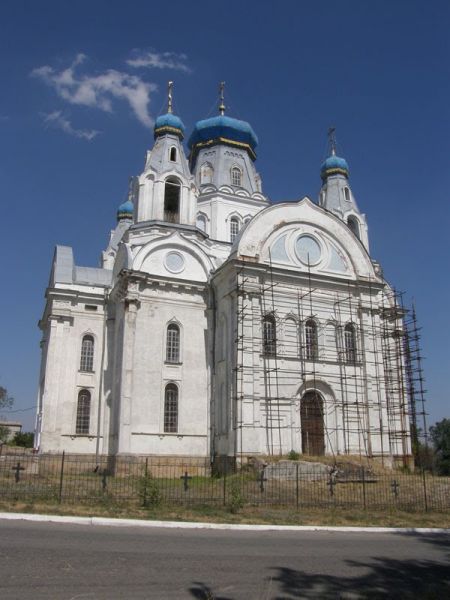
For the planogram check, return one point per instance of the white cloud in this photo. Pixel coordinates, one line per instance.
(101, 90)
(56, 119)
(159, 60)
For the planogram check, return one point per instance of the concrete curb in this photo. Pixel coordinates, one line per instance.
(101, 521)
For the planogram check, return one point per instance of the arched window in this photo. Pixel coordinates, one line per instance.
(311, 340)
(236, 176)
(269, 336)
(171, 408)
(83, 413)
(173, 154)
(172, 190)
(347, 194)
(350, 343)
(206, 173)
(87, 354)
(173, 343)
(353, 225)
(234, 228)
(201, 222)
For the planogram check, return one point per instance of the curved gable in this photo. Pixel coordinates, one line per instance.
(303, 236)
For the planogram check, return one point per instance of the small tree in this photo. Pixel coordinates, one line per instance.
(25, 439)
(6, 401)
(440, 435)
(4, 433)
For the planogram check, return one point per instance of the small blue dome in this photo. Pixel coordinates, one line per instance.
(225, 129)
(125, 210)
(334, 165)
(169, 123)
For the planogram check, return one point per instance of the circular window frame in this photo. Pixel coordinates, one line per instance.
(171, 269)
(321, 249)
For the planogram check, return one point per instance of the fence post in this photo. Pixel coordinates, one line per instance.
(225, 486)
(363, 478)
(61, 476)
(296, 486)
(425, 490)
(144, 495)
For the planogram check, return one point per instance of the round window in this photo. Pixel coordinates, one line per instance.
(174, 262)
(308, 250)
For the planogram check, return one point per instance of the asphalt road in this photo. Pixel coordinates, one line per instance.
(55, 561)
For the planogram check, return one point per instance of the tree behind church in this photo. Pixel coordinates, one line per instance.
(440, 435)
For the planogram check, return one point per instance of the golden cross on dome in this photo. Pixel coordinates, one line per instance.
(169, 96)
(222, 98)
(332, 140)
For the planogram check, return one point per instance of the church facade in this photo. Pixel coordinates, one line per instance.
(219, 324)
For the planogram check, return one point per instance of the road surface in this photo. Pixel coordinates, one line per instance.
(55, 561)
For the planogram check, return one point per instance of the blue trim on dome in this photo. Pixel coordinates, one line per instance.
(225, 128)
(334, 165)
(169, 123)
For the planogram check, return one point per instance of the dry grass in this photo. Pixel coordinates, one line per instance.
(248, 514)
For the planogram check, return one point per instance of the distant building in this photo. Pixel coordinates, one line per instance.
(219, 324)
(13, 428)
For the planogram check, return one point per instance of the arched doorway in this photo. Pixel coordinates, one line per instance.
(312, 427)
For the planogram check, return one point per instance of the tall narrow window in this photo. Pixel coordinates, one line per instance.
(206, 173)
(234, 228)
(311, 340)
(350, 343)
(173, 343)
(269, 336)
(87, 354)
(173, 154)
(171, 408)
(236, 176)
(353, 225)
(172, 200)
(201, 222)
(83, 413)
(347, 193)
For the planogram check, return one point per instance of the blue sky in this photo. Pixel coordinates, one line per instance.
(83, 81)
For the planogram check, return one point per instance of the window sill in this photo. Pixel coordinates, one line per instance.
(86, 372)
(175, 364)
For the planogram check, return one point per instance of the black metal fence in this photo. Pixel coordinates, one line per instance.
(157, 481)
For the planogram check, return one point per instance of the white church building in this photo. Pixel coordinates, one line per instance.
(220, 324)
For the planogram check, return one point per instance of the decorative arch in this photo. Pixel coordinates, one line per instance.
(291, 338)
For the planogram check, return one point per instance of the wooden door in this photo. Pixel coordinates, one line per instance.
(311, 416)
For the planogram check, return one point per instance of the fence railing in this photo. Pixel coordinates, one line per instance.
(153, 481)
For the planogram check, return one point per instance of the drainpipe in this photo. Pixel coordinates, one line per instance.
(100, 385)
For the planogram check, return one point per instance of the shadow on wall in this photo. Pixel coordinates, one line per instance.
(379, 578)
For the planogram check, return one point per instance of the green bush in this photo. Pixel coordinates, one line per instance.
(293, 455)
(24, 440)
(237, 500)
(149, 491)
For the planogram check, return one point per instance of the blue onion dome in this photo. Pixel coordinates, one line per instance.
(125, 211)
(334, 165)
(169, 123)
(225, 130)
